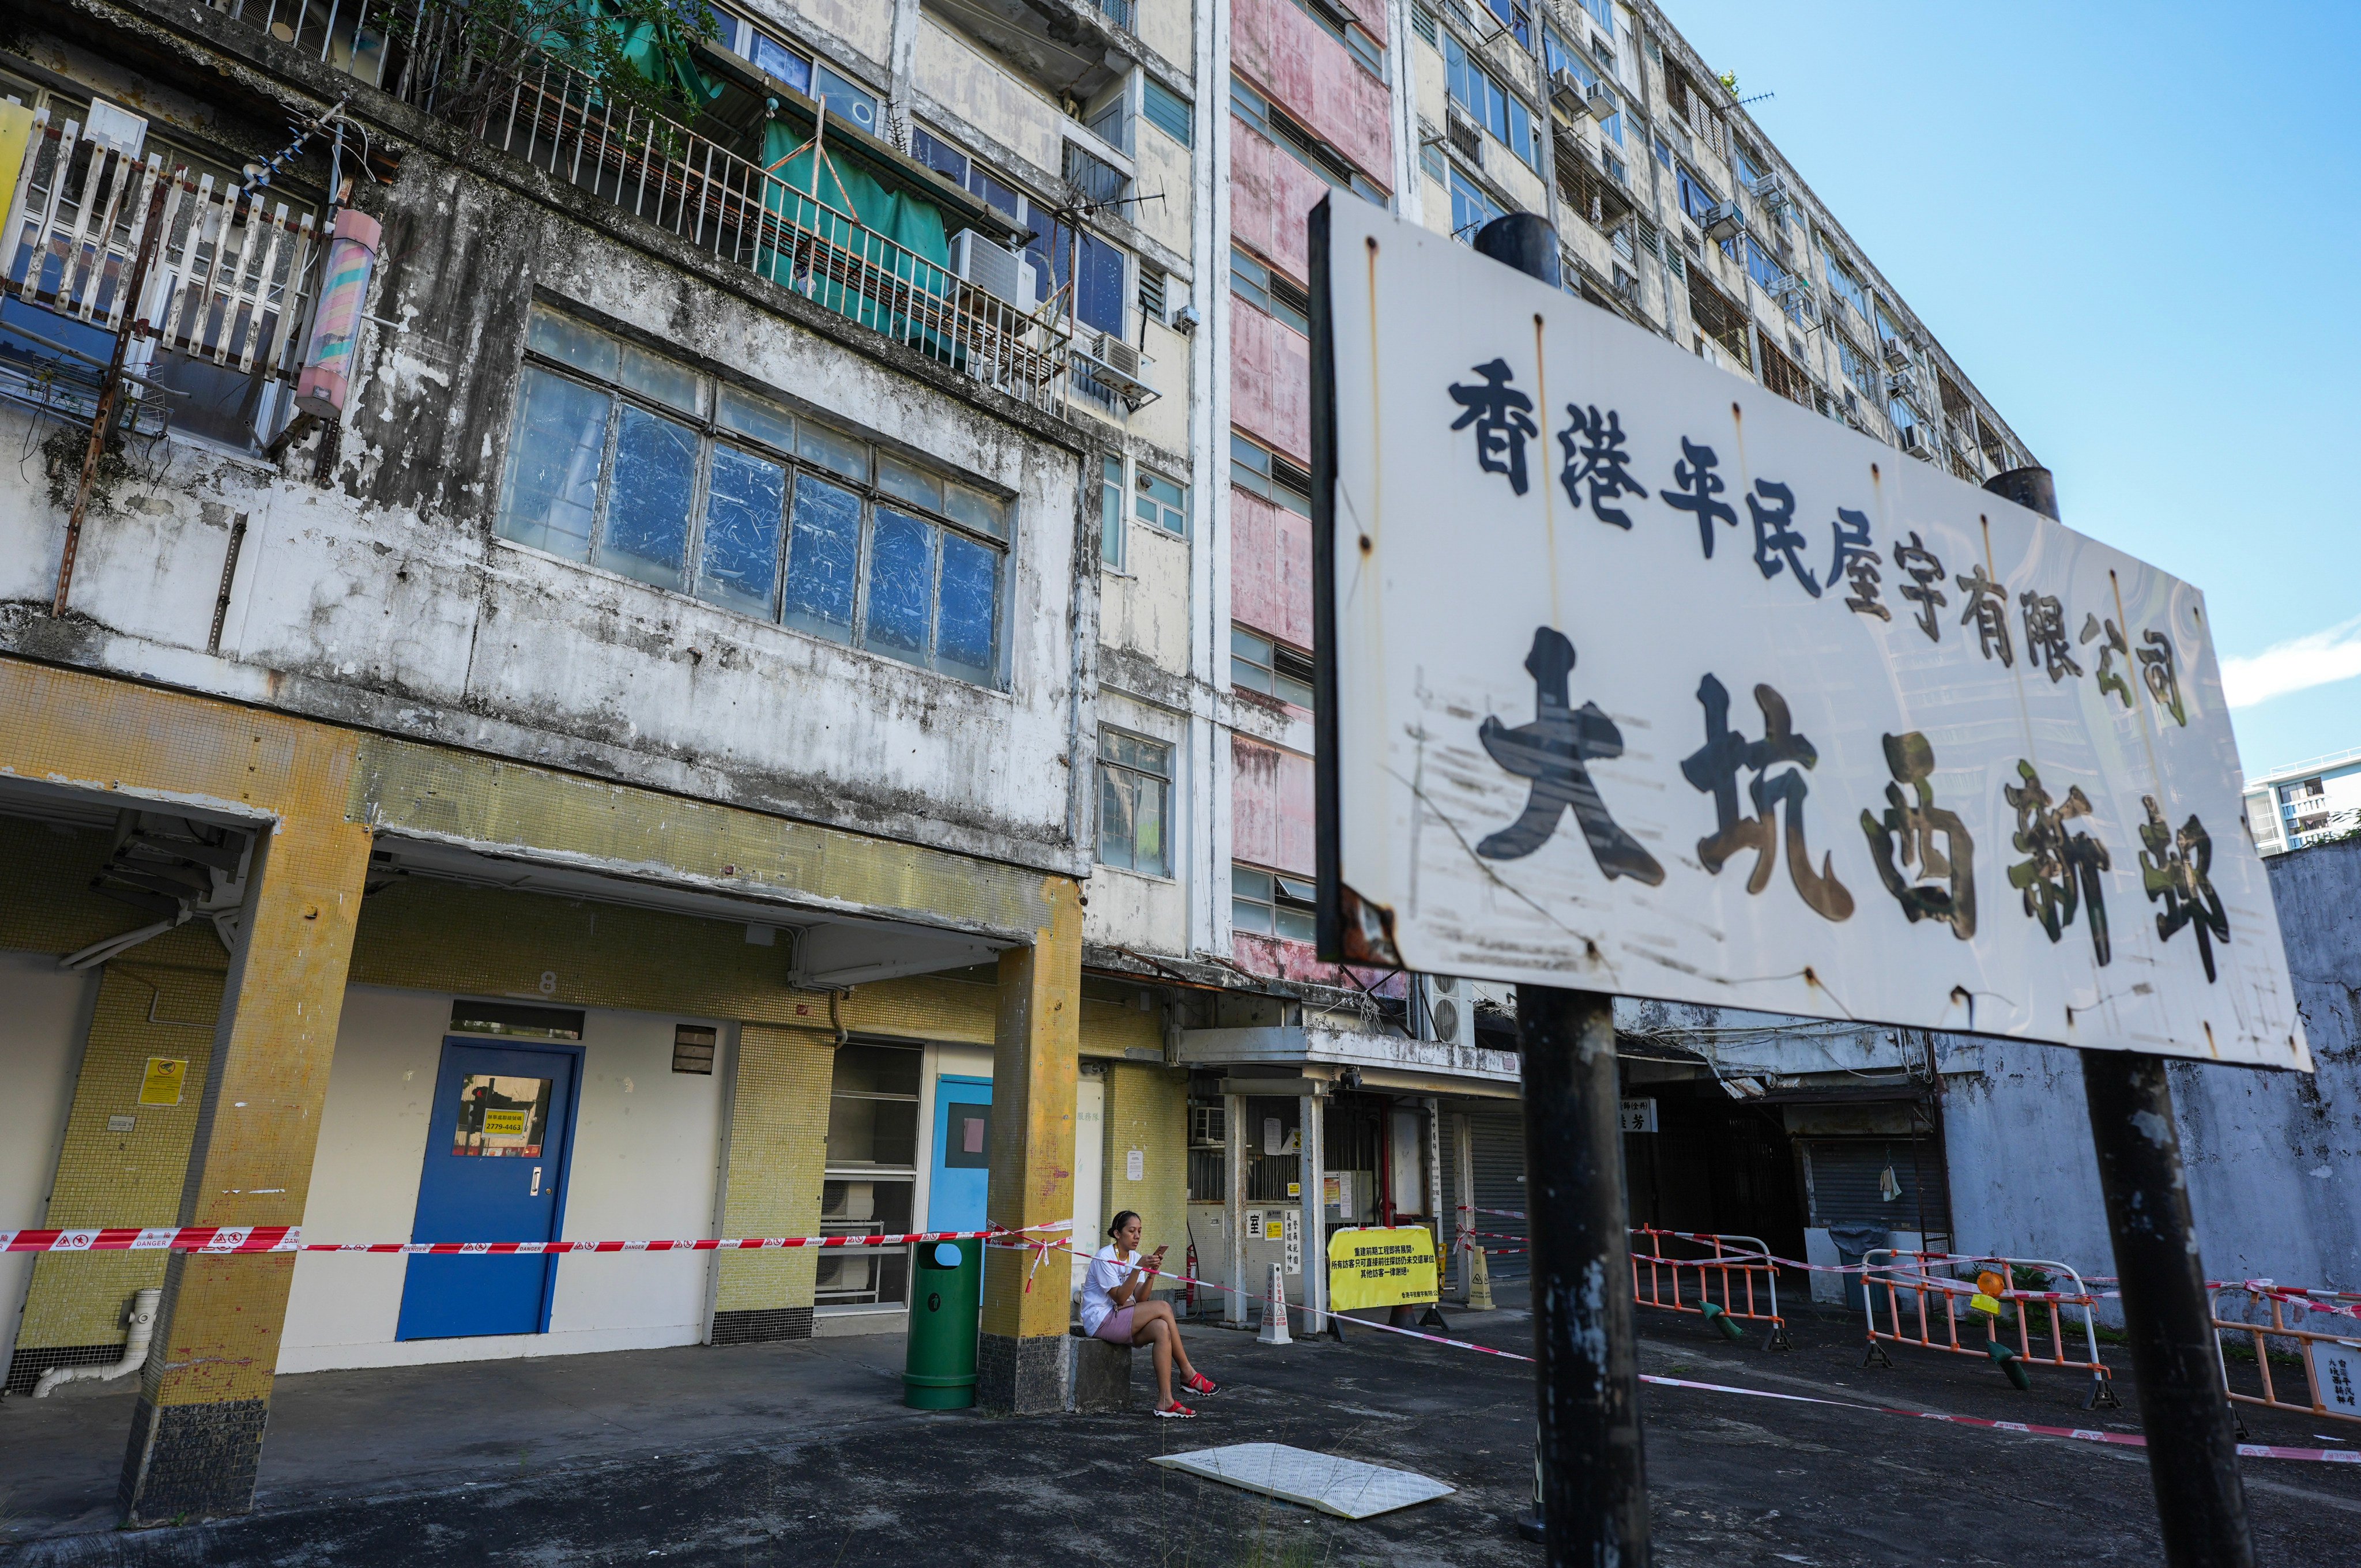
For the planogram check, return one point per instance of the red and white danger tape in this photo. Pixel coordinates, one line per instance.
(216, 1239)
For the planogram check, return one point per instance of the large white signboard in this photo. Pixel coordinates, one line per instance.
(1650, 681)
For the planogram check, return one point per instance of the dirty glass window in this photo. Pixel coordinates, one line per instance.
(1135, 803)
(1163, 503)
(1269, 904)
(1111, 512)
(554, 455)
(641, 464)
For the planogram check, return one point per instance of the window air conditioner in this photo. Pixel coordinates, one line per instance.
(1600, 103)
(1445, 1010)
(1902, 384)
(1118, 365)
(1117, 355)
(1565, 92)
(1003, 274)
(1897, 353)
(1724, 222)
(1913, 439)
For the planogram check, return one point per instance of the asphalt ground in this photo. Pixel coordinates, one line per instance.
(801, 1454)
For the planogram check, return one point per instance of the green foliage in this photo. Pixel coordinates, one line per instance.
(1730, 82)
(635, 54)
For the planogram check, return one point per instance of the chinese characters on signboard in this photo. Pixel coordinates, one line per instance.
(1746, 708)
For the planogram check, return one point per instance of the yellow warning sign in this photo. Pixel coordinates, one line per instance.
(162, 1084)
(504, 1123)
(1380, 1267)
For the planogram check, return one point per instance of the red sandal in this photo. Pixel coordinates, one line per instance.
(1176, 1412)
(1200, 1385)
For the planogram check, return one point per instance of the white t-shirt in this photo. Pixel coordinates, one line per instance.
(1110, 1267)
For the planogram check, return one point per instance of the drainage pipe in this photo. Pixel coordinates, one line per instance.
(134, 1350)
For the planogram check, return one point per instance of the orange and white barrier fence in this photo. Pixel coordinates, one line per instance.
(1930, 1319)
(1724, 1277)
(2331, 1360)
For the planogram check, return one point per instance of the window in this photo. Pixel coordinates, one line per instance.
(1260, 664)
(1749, 169)
(1698, 199)
(1051, 247)
(1430, 159)
(1422, 22)
(1151, 292)
(1266, 474)
(1135, 803)
(637, 464)
(1763, 267)
(1270, 292)
(1515, 17)
(1856, 364)
(1847, 283)
(1601, 11)
(1111, 514)
(1162, 503)
(846, 102)
(1663, 151)
(871, 1173)
(1488, 104)
(1271, 905)
(1368, 53)
(1470, 208)
(1300, 144)
(1167, 111)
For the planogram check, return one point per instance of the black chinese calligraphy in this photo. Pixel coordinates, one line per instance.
(1931, 880)
(1925, 570)
(1595, 456)
(2045, 636)
(1551, 752)
(1713, 770)
(1698, 486)
(2163, 680)
(1777, 546)
(2110, 678)
(2174, 868)
(1857, 562)
(1503, 417)
(1987, 611)
(2059, 873)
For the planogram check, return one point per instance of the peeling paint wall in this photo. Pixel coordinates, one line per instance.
(385, 600)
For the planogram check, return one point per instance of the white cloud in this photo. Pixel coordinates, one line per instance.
(2315, 659)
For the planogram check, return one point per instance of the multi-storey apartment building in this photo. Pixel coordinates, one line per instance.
(737, 638)
(2310, 803)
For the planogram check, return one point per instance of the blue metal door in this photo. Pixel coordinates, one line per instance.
(955, 1197)
(495, 1171)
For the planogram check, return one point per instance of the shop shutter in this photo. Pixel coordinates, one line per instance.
(1843, 1176)
(1496, 1137)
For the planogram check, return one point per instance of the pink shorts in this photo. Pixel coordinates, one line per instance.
(1115, 1327)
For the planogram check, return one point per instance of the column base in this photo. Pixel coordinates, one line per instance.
(1025, 1377)
(191, 1462)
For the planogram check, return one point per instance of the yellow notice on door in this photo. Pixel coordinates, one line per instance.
(162, 1084)
(504, 1123)
(1377, 1266)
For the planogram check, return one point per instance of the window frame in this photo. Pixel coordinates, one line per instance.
(1162, 108)
(1144, 497)
(1112, 530)
(1136, 775)
(1252, 279)
(1274, 892)
(1254, 468)
(713, 434)
(1286, 679)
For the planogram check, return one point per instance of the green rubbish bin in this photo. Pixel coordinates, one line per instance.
(946, 1296)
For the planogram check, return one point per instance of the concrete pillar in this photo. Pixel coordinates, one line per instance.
(1020, 1357)
(196, 1433)
(1463, 1218)
(1312, 1164)
(1233, 1183)
(773, 1167)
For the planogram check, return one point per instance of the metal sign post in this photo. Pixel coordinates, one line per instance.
(1637, 679)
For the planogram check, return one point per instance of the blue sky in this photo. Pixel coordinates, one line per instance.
(2135, 227)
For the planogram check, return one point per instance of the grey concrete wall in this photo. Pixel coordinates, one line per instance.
(2274, 1158)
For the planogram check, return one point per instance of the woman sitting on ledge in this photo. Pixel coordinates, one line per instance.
(1115, 1308)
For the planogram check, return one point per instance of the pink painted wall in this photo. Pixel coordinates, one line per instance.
(1271, 806)
(1302, 69)
(1371, 15)
(1270, 192)
(1270, 382)
(1296, 961)
(1270, 568)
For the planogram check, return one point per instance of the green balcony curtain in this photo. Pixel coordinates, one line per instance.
(861, 279)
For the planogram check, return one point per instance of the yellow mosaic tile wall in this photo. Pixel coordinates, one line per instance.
(778, 1147)
(1147, 1110)
(123, 1178)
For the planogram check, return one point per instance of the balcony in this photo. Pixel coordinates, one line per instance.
(793, 219)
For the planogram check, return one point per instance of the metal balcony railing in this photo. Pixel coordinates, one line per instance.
(534, 107)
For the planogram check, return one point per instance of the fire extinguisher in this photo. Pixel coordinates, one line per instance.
(1188, 1289)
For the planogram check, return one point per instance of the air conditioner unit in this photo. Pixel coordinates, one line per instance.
(1444, 1008)
(1897, 353)
(1117, 364)
(1902, 384)
(1772, 190)
(1600, 103)
(1913, 440)
(1565, 92)
(1001, 273)
(1724, 222)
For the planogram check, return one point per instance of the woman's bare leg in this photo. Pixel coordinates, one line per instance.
(1162, 1311)
(1158, 1334)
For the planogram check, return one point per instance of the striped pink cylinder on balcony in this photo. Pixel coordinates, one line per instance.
(328, 362)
